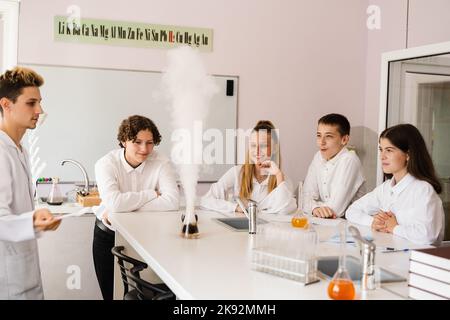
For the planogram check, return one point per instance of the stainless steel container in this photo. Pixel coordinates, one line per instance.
(252, 208)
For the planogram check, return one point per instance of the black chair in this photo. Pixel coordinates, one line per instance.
(141, 289)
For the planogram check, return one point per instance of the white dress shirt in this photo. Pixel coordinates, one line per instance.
(334, 183)
(416, 205)
(123, 188)
(280, 200)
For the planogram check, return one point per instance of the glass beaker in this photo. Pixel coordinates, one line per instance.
(341, 287)
(55, 197)
(300, 220)
(189, 219)
(306, 201)
(183, 216)
(190, 228)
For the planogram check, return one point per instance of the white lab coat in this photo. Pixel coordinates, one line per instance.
(414, 202)
(281, 200)
(20, 276)
(335, 183)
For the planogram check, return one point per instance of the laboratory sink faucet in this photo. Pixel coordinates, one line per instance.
(368, 259)
(85, 190)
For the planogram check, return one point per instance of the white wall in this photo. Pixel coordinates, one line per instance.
(297, 59)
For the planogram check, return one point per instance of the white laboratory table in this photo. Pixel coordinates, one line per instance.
(218, 264)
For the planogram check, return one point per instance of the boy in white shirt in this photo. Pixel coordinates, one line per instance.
(132, 178)
(335, 177)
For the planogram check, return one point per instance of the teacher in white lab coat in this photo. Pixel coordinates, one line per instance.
(20, 107)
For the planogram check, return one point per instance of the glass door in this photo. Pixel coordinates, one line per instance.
(419, 93)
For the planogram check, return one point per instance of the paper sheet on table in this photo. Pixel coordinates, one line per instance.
(76, 214)
(349, 239)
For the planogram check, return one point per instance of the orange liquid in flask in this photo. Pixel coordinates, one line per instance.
(299, 222)
(341, 289)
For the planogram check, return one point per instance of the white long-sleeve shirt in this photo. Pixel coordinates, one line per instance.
(335, 183)
(416, 205)
(280, 200)
(123, 188)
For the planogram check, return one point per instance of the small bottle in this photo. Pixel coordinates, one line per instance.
(55, 197)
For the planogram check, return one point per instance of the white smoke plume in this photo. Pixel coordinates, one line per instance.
(189, 90)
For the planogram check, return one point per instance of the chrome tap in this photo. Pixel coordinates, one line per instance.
(367, 249)
(85, 190)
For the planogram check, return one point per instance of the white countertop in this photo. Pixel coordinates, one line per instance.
(218, 264)
(66, 207)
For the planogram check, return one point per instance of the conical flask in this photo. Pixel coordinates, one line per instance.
(189, 220)
(341, 287)
(55, 197)
(300, 219)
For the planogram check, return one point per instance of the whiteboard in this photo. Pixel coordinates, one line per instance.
(85, 107)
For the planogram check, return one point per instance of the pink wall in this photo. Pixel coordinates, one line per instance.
(297, 59)
(391, 36)
(428, 22)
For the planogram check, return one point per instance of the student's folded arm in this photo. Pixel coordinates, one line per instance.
(215, 198)
(310, 192)
(169, 200)
(346, 186)
(13, 227)
(361, 211)
(427, 224)
(281, 200)
(112, 197)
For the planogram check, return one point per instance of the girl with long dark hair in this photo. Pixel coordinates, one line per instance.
(407, 204)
